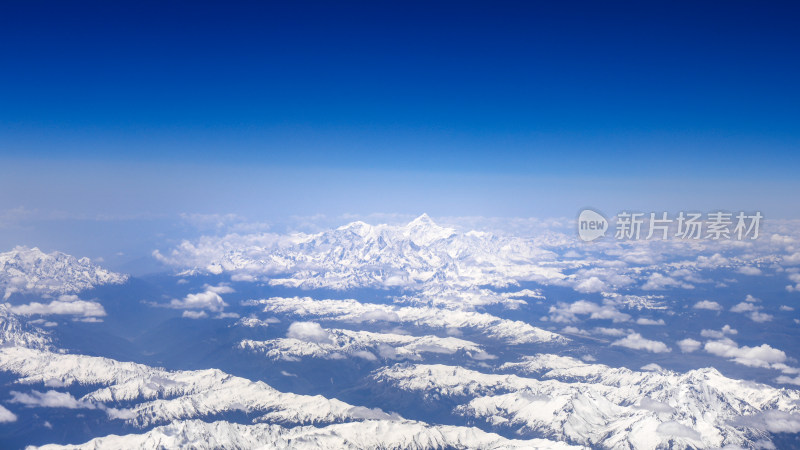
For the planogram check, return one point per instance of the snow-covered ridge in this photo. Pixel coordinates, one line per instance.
(15, 334)
(144, 396)
(339, 344)
(510, 331)
(447, 297)
(369, 434)
(422, 255)
(29, 270)
(592, 404)
(418, 254)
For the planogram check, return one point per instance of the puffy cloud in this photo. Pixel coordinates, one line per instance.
(646, 321)
(714, 334)
(744, 307)
(760, 317)
(195, 314)
(229, 315)
(761, 356)
(49, 399)
(309, 332)
(783, 379)
(563, 312)
(379, 315)
(708, 304)
(772, 421)
(574, 330)
(794, 278)
(208, 300)
(220, 289)
(6, 415)
(637, 342)
(786, 308)
(657, 281)
(655, 406)
(364, 354)
(244, 277)
(609, 331)
(755, 314)
(65, 305)
(712, 262)
(792, 259)
(675, 429)
(749, 270)
(689, 345)
(591, 284)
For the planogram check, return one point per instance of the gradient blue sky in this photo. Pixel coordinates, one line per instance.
(267, 109)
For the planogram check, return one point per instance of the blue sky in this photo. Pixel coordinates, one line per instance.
(269, 109)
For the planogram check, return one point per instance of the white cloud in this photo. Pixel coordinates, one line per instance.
(364, 354)
(194, 314)
(574, 330)
(657, 281)
(761, 356)
(792, 259)
(760, 317)
(744, 307)
(689, 345)
(65, 305)
(379, 315)
(646, 321)
(772, 421)
(309, 332)
(563, 312)
(6, 415)
(708, 304)
(609, 331)
(49, 399)
(714, 334)
(637, 342)
(655, 406)
(209, 299)
(754, 310)
(794, 278)
(229, 315)
(712, 262)
(592, 284)
(678, 430)
(243, 277)
(783, 379)
(220, 289)
(749, 270)
(786, 308)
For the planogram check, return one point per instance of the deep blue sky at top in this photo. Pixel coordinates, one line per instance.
(608, 90)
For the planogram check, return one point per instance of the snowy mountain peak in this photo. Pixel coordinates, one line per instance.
(423, 219)
(30, 270)
(423, 231)
(358, 227)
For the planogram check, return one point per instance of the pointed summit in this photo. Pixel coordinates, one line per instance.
(423, 231)
(424, 219)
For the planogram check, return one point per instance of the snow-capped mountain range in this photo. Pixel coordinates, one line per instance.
(452, 340)
(600, 406)
(415, 255)
(29, 270)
